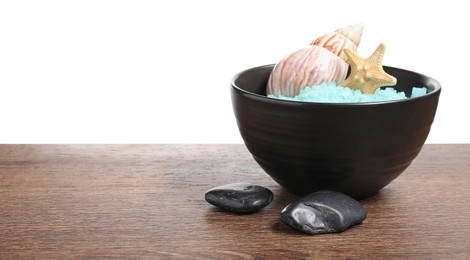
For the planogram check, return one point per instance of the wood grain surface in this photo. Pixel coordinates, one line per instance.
(147, 201)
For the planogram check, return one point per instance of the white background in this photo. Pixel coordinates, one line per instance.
(159, 71)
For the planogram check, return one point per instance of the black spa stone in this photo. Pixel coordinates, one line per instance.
(239, 197)
(323, 212)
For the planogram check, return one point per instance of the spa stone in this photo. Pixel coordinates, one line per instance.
(323, 212)
(239, 197)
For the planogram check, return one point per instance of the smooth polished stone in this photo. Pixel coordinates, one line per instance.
(323, 212)
(239, 197)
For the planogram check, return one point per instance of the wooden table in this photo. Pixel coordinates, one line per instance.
(147, 201)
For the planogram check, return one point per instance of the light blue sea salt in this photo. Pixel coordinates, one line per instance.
(331, 93)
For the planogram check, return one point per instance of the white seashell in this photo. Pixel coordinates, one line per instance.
(309, 66)
(353, 32)
(344, 38)
(335, 43)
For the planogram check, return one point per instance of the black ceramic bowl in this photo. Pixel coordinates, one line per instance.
(354, 148)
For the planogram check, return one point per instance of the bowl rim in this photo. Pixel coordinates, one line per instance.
(435, 91)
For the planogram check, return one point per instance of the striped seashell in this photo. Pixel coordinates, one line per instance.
(335, 43)
(309, 66)
(344, 38)
(353, 32)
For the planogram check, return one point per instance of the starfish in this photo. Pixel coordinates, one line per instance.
(367, 74)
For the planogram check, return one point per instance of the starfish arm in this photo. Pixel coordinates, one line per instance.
(377, 56)
(385, 79)
(347, 82)
(353, 57)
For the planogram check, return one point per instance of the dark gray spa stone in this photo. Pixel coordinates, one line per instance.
(240, 197)
(323, 212)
